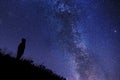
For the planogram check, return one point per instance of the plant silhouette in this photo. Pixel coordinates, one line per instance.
(21, 48)
(13, 69)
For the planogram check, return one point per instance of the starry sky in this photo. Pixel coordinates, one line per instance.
(76, 39)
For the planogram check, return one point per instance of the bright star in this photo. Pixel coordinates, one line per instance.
(115, 31)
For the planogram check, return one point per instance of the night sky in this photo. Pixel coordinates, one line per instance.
(77, 39)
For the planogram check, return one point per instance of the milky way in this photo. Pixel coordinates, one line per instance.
(77, 39)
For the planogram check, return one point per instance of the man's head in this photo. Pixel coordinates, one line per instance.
(23, 40)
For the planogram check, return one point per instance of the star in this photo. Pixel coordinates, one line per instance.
(115, 31)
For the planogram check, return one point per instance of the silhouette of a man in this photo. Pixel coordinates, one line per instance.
(21, 48)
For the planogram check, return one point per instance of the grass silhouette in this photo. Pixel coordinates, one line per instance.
(11, 68)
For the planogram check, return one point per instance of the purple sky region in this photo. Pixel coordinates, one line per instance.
(78, 39)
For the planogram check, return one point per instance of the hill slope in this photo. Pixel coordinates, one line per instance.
(11, 68)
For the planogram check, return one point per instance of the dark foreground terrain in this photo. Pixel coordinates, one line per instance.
(11, 68)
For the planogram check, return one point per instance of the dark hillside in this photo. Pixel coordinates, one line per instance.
(11, 68)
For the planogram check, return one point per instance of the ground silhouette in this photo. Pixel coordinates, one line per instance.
(12, 68)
